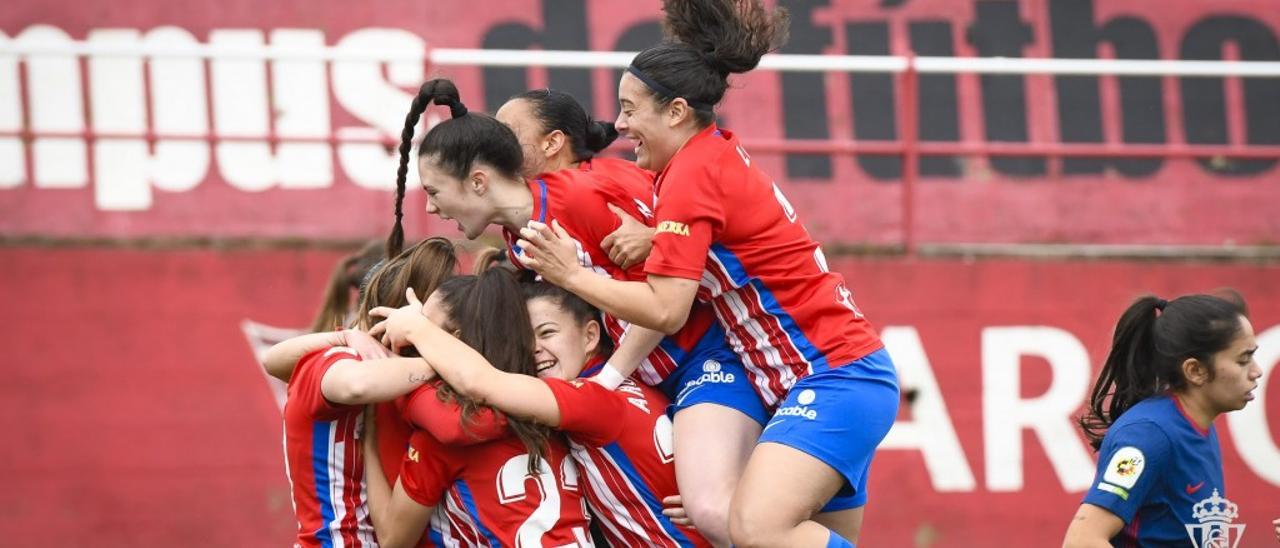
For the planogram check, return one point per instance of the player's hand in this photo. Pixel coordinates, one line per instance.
(1277, 524)
(394, 330)
(549, 251)
(365, 345)
(630, 243)
(673, 507)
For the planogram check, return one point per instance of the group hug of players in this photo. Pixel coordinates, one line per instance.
(684, 371)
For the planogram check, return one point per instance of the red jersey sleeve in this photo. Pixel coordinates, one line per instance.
(304, 385)
(429, 468)
(688, 216)
(443, 420)
(589, 413)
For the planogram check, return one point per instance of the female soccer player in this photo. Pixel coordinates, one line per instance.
(726, 235)
(1173, 368)
(470, 168)
(329, 380)
(621, 440)
(336, 310)
(557, 133)
(487, 312)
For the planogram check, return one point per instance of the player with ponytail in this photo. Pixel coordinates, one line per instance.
(1174, 367)
(727, 236)
(557, 133)
(520, 489)
(471, 168)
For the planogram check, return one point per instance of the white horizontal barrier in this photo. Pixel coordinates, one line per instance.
(610, 59)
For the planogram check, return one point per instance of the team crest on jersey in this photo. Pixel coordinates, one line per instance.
(679, 229)
(1215, 529)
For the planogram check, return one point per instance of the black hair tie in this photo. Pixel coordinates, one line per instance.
(709, 59)
(1161, 303)
(456, 108)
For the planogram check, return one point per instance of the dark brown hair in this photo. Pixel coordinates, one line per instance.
(456, 144)
(346, 276)
(557, 110)
(490, 257)
(581, 310)
(1152, 340)
(424, 266)
(706, 41)
(487, 312)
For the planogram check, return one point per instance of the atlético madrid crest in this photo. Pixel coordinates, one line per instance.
(1215, 529)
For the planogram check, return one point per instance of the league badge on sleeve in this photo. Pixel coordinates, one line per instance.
(1123, 471)
(1125, 467)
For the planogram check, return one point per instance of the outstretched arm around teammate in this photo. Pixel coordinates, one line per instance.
(661, 303)
(463, 368)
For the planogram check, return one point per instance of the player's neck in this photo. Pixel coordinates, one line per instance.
(560, 162)
(1196, 408)
(513, 204)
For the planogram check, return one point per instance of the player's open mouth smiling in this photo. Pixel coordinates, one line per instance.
(546, 364)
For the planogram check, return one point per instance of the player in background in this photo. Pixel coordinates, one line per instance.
(471, 166)
(726, 235)
(337, 307)
(621, 440)
(1173, 368)
(487, 313)
(330, 377)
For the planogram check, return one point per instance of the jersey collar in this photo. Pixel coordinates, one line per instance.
(1177, 402)
(593, 366)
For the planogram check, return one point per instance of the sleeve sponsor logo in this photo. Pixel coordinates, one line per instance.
(1125, 467)
(679, 229)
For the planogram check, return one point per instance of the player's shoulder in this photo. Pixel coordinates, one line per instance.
(1158, 411)
(618, 168)
(568, 187)
(317, 361)
(1147, 425)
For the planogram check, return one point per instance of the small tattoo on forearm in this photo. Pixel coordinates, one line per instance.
(418, 378)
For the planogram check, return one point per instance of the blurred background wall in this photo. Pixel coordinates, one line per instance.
(157, 212)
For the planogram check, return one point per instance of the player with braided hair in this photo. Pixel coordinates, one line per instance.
(727, 236)
(471, 170)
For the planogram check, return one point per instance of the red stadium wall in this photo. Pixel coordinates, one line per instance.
(118, 185)
(137, 415)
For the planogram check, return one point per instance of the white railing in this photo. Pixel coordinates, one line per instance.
(611, 59)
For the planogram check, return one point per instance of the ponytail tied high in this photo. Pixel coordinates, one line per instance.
(440, 92)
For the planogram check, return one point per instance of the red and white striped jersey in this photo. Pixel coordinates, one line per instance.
(622, 442)
(723, 222)
(486, 491)
(323, 458)
(578, 200)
